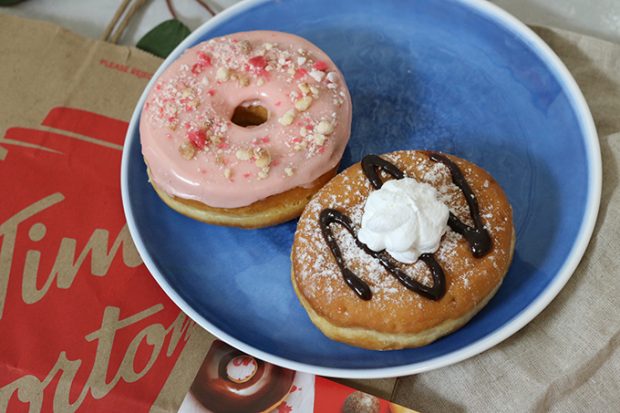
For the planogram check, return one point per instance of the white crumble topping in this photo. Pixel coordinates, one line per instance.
(182, 103)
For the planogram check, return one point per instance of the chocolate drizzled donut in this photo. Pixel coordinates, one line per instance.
(230, 381)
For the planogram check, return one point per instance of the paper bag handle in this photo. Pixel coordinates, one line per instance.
(111, 35)
(114, 29)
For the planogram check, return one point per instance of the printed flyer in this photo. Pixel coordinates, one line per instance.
(230, 381)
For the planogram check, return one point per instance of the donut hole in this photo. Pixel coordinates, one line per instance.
(250, 113)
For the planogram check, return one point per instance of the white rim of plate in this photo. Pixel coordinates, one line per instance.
(544, 52)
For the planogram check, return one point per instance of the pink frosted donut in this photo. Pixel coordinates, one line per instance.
(201, 131)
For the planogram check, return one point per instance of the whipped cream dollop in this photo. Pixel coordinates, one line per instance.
(404, 217)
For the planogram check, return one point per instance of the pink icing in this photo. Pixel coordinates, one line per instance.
(194, 151)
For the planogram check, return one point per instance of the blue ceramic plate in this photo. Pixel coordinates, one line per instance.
(457, 76)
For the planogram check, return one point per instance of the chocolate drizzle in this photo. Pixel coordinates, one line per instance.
(477, 237)
(372, 163)
(327, 218)
(331, 216)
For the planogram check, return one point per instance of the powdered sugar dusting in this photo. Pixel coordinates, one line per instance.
(347, 193)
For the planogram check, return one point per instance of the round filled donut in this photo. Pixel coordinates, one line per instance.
(401, 249)
(233, 382)
(242, 130)
(360, 402)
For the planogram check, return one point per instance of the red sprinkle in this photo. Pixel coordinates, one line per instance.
(258, 61)
(320, 65)
(198, 138)
(247, 175)
(322, 149)
(197, 68)
(211, 92)
(299, 73)
(265, 139)
(275, 162)
(309, 127)
(296, 140)
(206, 59)
(223, 145)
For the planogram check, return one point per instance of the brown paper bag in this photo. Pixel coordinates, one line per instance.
(83, 325)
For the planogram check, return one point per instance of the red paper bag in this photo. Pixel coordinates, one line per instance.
(84, 327)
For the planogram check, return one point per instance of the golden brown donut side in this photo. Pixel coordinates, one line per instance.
(373, 340)
(396, 317)
(272, 210)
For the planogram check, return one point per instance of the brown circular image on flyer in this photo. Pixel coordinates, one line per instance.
(230, 381)
(359, 402)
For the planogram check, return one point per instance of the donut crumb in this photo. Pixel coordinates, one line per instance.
(287, 118)
(243, 154)
(303, 104)
(187, 150)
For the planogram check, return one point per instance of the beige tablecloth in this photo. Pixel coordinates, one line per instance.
(567, 359)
